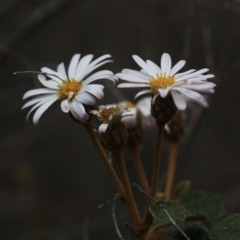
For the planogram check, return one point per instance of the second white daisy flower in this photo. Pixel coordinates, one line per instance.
(165, 79)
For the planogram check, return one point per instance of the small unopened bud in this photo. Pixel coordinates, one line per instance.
(176, 128)
(163, 109)
(115, 137)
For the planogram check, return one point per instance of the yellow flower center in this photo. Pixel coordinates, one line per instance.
(161, 81)
(69, 87)
(107, 112)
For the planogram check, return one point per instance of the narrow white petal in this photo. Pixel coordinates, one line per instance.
(191, 75)
(132, 85)
(47, 98)
(78, 111)
(166, 63)
(73, 66)
(36, 100)
(56, 77)
(38, 91)
(142, 92)
(163, 92)
(102, 128)
(42, 109)
(200, 86)
(144, 105)
(154, 66)
(85, 98)
(177, 67)
(94, 89)
(178, 75)
(104, 74)
(136, 73)
(178, 100)
(96, 61)
(65, 106)
(82, 66)
(48, 83)
(132, 78)
(144, 65)
(61, 71)
(96, 64)
(209, 76)
(189, 93)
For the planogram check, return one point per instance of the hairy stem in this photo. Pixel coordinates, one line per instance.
(105, 158)
(155, 172)
(130, 201)
(173, 149)
(140, 169)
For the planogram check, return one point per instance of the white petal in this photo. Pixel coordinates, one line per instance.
(65, 106)
(209, 76)
(78, 111)
(200, 86)
(154, 67)
(61, 71)
(104, 74)
(144, 105)
(144, 65)
(38, 91)
(73, 66)
(189, 93)
(178, 100)
(42, 109)
(177, 67)
(163, 92)
(36, 100)
(48, 83)
(191, 75)
(94, 89)
(136, 73)
(132, 85)
(93, 65)
(132, 78)
(102, 128)
(85, 98)
(178, 75)
(52, 74)
(45, 99)
(82, 66)
(142, 92)
(166, 63)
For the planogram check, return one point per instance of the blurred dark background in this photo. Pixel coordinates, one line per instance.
(51, 178)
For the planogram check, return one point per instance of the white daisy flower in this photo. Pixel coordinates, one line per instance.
(161, 81)
(107, 114)
(74, 88)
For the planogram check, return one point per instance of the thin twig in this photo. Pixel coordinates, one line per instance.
(107, 202)
(165, 211)
(115, 219)
(38, 72)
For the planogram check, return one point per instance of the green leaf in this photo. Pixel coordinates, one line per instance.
(194, 230)
(175, 209)
(226, 227)
(203, 203)
(181, 188)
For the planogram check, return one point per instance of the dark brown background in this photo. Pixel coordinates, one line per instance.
(51, 179)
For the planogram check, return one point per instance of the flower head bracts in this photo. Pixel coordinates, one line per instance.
(161, 81)
(74, 89)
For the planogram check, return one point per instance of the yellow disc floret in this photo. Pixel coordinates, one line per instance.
(107, 114)
(69, 87)
(161, 81)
